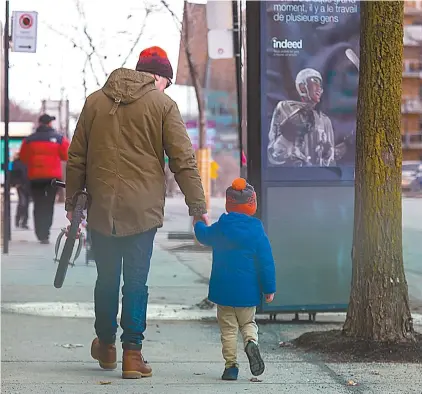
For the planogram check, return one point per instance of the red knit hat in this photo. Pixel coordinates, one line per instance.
(154, 60)
(241, 197)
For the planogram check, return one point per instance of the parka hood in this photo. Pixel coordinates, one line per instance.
(124, 86)
(240, 228)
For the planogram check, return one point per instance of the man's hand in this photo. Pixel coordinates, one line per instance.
(269, 298)
(202, 218)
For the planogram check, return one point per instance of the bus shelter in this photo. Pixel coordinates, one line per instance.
(302, 82)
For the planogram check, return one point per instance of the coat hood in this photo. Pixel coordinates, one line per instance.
(241, 229)
(125, 86)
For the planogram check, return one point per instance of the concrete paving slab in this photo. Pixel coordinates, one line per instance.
(186, 357)
(161, 388)
(408, 388)
(376, 373)
(178, 372)
(41, 339)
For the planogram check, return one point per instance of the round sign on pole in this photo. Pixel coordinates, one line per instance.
(26, 21)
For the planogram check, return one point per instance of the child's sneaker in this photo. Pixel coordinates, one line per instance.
(230, 373)
(255, 360)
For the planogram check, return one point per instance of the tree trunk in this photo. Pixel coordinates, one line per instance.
(203, 154)
(379, 302)
(195, 78)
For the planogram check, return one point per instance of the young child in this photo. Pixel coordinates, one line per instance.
(242, 270)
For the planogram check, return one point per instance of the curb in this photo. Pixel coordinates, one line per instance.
(169, 312)
(85, 310)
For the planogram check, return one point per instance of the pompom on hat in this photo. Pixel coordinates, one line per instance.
(154, 60)
(241, 197)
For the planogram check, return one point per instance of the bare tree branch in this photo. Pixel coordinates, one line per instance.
(70, 39)
(84, 82)
(94, 51)
(81, 48)
(90, 47)
(91, 66)
(176, 20)
(192, 66)
(88, 36)
(148, 11)
(186, 37)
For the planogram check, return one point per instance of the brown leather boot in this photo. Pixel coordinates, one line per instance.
(134, 365)
(105, 354)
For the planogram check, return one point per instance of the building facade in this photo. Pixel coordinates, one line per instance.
(412, 81)
(219, 82)
(217, 79)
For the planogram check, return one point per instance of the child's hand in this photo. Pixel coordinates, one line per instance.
(269, 298)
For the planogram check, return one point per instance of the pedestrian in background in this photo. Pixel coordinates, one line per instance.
(19, 180)
(118, 153)
(242, 271)
(43, 153)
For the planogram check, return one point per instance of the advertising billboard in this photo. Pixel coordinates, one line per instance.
(310, 54)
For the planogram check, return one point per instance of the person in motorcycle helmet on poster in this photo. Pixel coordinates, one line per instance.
(300, 134)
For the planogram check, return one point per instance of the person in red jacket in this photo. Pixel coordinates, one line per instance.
(43, 152)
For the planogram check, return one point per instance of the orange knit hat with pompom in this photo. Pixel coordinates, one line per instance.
(241, 197)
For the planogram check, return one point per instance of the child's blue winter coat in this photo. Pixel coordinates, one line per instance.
(243, 266)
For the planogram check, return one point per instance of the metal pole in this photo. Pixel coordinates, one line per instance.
(6, 196)
(237, 54)
(67, 119)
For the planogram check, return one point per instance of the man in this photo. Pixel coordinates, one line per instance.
(300, 134)
(117, 153)
(43, 153)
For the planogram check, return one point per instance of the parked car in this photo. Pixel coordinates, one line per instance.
(411, 176)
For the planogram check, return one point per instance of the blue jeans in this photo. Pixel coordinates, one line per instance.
(135, 251)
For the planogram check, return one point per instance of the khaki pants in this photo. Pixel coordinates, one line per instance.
(230, 321)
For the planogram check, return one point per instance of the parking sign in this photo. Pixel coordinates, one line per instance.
(24, 31)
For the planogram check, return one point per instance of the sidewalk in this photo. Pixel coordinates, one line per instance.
(51, 355)
(47, 332)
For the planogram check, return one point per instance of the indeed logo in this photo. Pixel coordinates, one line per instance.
(286, 44)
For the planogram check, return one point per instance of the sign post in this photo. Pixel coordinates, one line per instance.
(6, 194)
(24, 39)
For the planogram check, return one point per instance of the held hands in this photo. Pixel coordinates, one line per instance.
(269, 298)
(202, 218)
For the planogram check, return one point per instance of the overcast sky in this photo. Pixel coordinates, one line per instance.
(113, 25)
